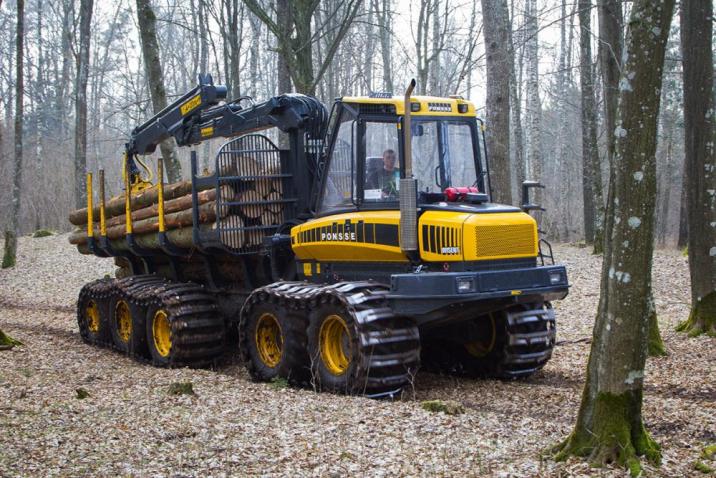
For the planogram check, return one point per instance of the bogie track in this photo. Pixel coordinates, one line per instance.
(370, 351)
(192, 330)
(514, 343)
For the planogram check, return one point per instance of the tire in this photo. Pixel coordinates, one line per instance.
(334, 350)
(273, 342)
(358, 345)
(93, 313)
(520, 344)
(182, 325)
(127, 325)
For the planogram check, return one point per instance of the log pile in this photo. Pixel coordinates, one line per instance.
(248, 210)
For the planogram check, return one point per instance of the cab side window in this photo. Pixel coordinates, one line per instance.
(382, 165)
(339, 190)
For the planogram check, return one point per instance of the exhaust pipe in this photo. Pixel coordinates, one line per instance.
(408, 195)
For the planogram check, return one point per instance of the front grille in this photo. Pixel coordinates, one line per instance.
(441, 240)
(505, 240)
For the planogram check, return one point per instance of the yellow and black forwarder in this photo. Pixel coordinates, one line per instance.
(383, 248)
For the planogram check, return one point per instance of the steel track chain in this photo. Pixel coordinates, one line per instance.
(389, 344)
(198, 330)
(531, 337)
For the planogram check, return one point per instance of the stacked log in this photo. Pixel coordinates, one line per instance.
(247, 206)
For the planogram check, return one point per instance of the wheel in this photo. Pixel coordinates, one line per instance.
(159, 336)
(126, 324)
(509, 344)
(182, 326)
(483, 355)
(273, 341)
(357, 345)
(92, 313)
(333, 349)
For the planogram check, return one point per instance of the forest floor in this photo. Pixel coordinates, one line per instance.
(130, 426)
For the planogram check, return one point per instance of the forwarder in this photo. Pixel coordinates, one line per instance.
(321, 275)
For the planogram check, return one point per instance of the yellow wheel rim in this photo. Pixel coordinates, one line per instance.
(124, 320)
(335, 341)
(161, 331)
(92, 314)
(481, 348)
(269, 340)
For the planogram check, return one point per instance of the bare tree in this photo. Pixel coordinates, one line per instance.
(284, 22)
(155, 77)
(383, 11)
(516, 106)
(592, 176)
(293, 32)
(81, 76)
(609, 427)
(696, 47)
(11, 232)
(533, 143)
(496, 21)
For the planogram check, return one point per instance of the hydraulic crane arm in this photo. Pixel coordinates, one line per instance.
(197, 116)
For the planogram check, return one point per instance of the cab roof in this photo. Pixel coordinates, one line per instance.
(429, 105)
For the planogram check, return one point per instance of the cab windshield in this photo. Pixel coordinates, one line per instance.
(365, 164)
(443, 155)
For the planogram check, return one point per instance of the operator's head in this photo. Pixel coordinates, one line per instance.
(388, 159)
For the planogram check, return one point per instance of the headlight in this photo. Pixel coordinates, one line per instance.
(555, 277)
(465, 285)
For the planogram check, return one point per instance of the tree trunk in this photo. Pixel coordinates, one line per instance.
(82, 74)
(610, 54)
(285, 22)
(696, 47)
(496, 22)
(516, 116)
(591, 171)
(609, 426)
(382, 7)
(533, 143)
(11, 232)
(684, 208)
(294, 36)
(434, 70)
(155, 78)
(68, 15)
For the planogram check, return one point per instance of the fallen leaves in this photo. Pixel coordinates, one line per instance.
(132, 426)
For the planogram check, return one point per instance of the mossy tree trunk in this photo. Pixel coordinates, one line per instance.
(9, 254)
(696, 47)
(609, 426)
(655, 342)
(7, 342)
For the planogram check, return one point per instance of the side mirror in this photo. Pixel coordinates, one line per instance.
(527, 206)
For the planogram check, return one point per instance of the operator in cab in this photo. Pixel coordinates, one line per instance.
(385, 179)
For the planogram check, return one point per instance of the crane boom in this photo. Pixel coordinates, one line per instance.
(198, 116)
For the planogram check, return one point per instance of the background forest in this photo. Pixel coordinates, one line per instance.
(353, 47)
